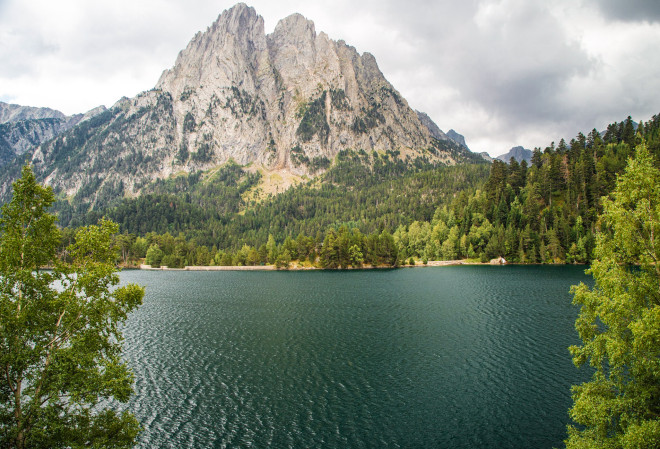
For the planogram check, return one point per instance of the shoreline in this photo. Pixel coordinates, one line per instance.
(431, 263)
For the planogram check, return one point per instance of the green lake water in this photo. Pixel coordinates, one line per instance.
(447, 357)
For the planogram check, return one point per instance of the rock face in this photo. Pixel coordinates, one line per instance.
(19, 137)
(518, 153)
(255, 97)
(456, 137)
(436, 132)
(290, 100)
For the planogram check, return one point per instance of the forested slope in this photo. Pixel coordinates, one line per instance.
(383, 209)
(542, 213)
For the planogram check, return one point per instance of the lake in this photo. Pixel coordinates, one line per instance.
(447, 357)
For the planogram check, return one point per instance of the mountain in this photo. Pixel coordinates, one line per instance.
(518, 153)
(456, 137)
(486, 156)
(435, 131)
(284, 103)
(460, 139)
(15, 113)
(23, 128)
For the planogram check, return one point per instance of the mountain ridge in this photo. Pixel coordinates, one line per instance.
(23, 128)
(289, 101)
(10, 112)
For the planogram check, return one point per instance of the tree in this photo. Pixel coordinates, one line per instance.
(283, 260)
(154, 256)
(330, 250)
(60, 337)
(619, 320)
(271, 246)
(387, 250)
(356, 256)
(125, 242)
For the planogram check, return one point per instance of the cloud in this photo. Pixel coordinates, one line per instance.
(80, 54)
(504, 62)
(521, 72)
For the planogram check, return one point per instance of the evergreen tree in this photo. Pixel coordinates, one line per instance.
(619, 320)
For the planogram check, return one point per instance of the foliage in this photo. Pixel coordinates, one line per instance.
(542, 213)
(241, 103)
(60, 337)
(298, 157)
(313, 120)
(369, 119)
(183, 203)
(189, 122)
(619, 321)
(339, 100)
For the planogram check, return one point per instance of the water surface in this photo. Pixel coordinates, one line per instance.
(447, 357)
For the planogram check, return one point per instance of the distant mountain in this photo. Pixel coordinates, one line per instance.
(456, 137)
(15, 113)
(19, 137)
(23, 128)
(289, 101)
(486, 156)
(518, 153)
(451, 136)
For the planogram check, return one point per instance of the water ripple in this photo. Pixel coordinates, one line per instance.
(450, 357)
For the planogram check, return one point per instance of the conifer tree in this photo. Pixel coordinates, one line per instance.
(619, 320)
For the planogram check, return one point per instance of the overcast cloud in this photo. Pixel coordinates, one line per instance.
(501, 72)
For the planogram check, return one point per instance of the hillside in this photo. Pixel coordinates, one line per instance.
(16, 113)
(382, 210)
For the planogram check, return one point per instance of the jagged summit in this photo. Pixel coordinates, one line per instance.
(291, 89)
(288, 101)
(435, 131)
(221, 56)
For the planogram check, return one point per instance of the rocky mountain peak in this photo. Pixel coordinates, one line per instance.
(241, 20)
(456, 137)
(432, 127)
(296, 88)
(293, 30)
(221, 56)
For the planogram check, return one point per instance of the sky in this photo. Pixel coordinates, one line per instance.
(501, 72)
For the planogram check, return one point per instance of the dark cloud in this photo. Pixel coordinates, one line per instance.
(510, 59)
(515, 63)
(630, 10)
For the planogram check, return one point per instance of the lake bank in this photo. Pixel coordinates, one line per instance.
(296, 267)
